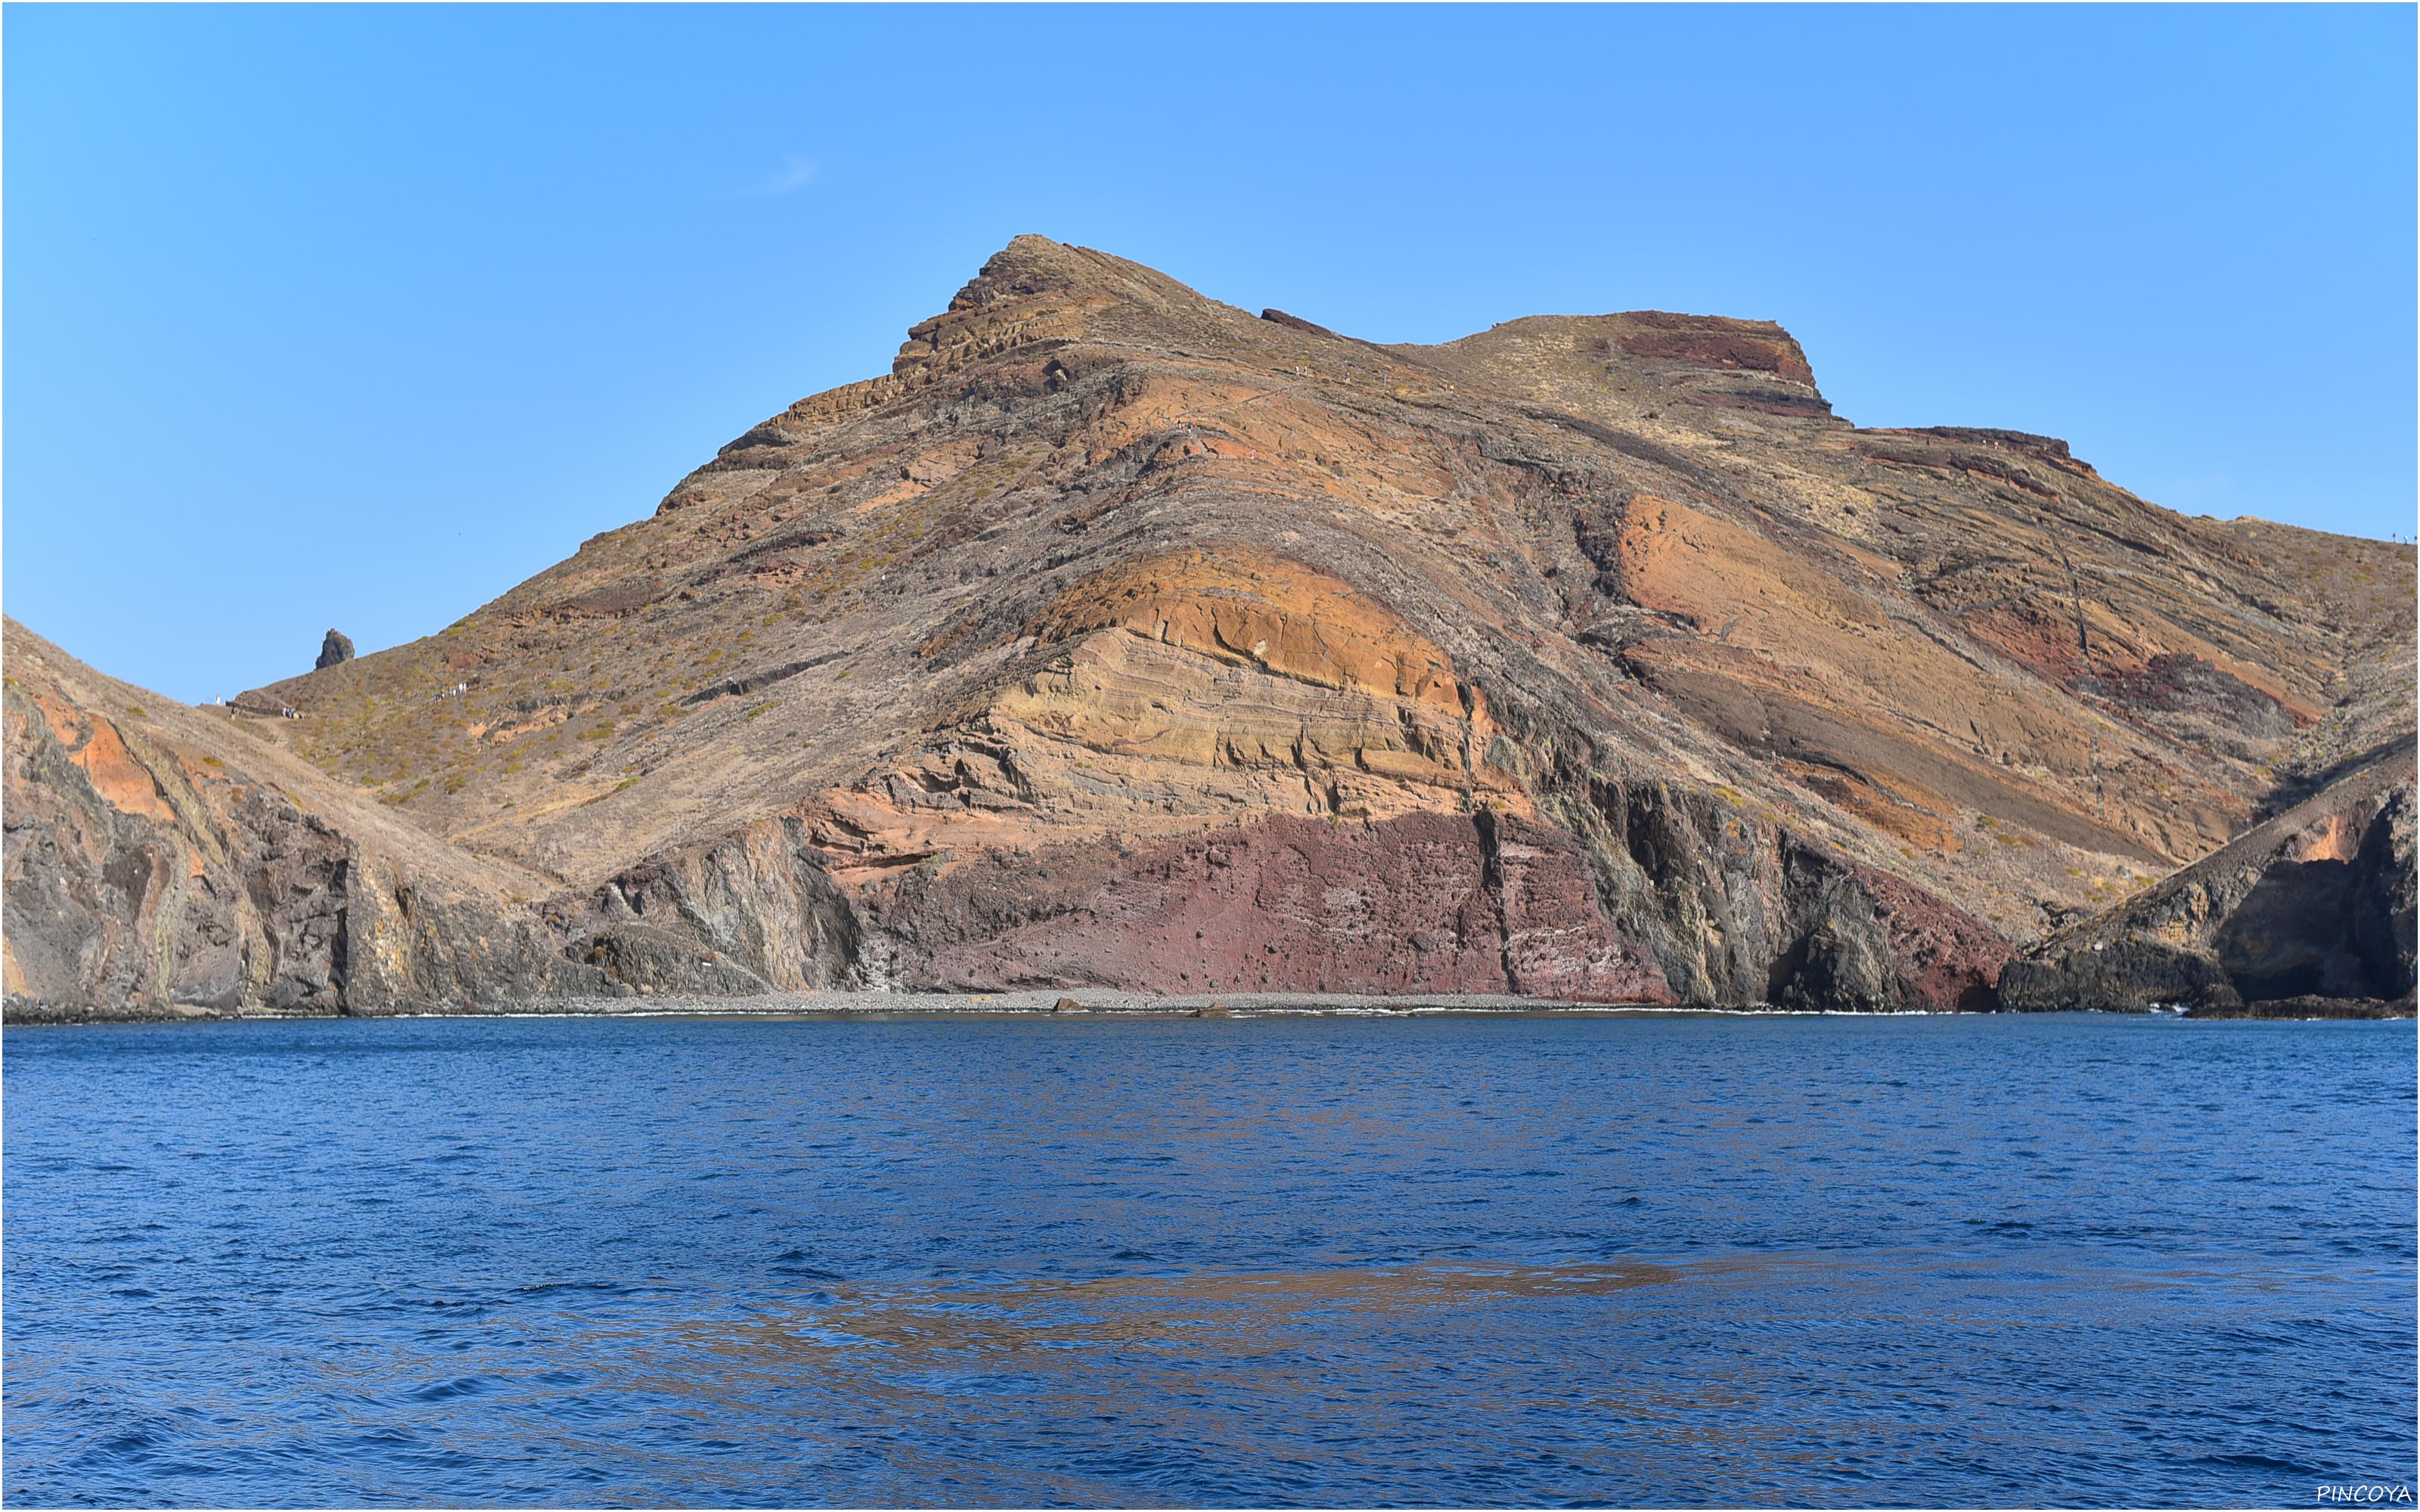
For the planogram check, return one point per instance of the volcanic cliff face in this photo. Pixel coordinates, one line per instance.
(164, 857)
(1117, 637)
(2315, 905)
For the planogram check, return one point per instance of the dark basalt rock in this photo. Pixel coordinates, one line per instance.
(2313, 1007)
(2128, 976)
(644, 960)
(1844, 963)
(335, 651)
(2314, 905)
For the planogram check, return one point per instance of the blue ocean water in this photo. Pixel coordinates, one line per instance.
(1740, 1260)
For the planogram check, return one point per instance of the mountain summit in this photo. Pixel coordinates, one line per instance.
(1117, 637)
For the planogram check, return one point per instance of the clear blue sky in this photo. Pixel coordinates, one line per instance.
(359, 315)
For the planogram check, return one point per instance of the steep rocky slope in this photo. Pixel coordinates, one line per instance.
(161, 856)
(1119, 637)
(2314, 904)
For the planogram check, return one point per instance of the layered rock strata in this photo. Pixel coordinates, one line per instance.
(163, 858)
(1119, 637)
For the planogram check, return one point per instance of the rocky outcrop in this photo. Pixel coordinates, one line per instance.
(160, 858)
(2316, 905)
(334, 650)
(1117, 638)
(753, 911)
(1736, 910)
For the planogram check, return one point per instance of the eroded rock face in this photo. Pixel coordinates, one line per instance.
(1120, 638)
(160, 858)
(1481, 902)
(336, 649)
(2316, 903)
(1737, 910)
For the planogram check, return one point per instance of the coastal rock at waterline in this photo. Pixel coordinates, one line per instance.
(2316, 903)
(2312, 1006)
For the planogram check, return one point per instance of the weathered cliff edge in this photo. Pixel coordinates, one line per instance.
(1118, 638)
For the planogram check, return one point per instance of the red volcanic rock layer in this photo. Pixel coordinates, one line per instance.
(1946, 958)
(1423, 903)
(1716, 340)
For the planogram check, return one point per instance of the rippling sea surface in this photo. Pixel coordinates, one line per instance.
(1435, 1260)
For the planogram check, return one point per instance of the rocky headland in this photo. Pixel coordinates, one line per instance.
(1120, 639)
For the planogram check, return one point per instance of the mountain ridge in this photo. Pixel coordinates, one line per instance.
(1587, 656)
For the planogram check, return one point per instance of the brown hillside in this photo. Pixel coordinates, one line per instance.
(1121, 637)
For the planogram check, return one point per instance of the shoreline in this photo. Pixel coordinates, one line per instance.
(1095, 1003)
